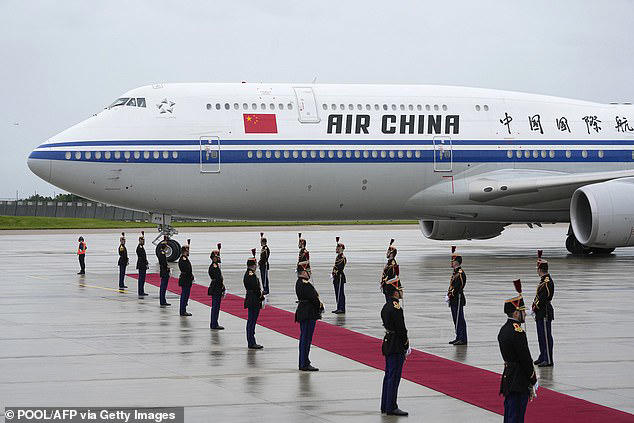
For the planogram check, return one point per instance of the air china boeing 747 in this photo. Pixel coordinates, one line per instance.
(466, 162)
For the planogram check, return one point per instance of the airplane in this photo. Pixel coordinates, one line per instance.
(465, 162)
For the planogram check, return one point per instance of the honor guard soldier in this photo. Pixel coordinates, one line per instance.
(81, 254)
(252, 300)
(309, 310)
(304, 255)
(519, 381)
(264, 263)
(186, 278)
(395, 348)
(164, 273)
(391, 271)
(141, 264)
(544, 313)
(123, 261)
(456, 298)
(216, 288)
(339, 278)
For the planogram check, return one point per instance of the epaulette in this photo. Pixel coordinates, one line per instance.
(251, 273)
(397, 305)
(215, 265)
(547, 279)
(517, 327)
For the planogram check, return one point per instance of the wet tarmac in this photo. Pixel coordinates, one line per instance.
(69, 340)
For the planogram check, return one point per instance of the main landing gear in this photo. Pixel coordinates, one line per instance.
(578, 249)
(166, 231)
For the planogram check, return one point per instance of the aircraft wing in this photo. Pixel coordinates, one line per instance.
(500, 184)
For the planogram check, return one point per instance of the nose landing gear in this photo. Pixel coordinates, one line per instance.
(166, 231)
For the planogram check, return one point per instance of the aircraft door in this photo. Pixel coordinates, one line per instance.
(306, 105)
(210, 154)
(443, 154)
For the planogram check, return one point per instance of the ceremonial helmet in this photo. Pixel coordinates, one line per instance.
(251, 261)
(515, 303)
(122, 237)
(216, 253)
(391, 249)
(185, 248)
(340, 246)
(303, 270)
(142, 237)
(302, 241)
(455, 256)
(81, 238)
(262, 239)
(542, 264)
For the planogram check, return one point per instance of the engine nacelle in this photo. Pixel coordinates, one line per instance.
(602, 215)
(448, 230)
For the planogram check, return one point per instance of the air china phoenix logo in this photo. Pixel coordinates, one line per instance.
(260, 123)
(166, 106)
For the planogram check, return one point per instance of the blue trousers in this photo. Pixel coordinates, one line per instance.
(254, 312)
(391, 380)
(457, 313)
(515, 407)
(545, 338)
(340, 295)
(264, 276)
(121, 275)
(185, 298)
(141, 281)
(306, 330)
(215, 310)
(163, 289)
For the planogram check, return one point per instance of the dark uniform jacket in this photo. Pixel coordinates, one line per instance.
(542, 303)
(390, 271)
(165, 269)
(519, 373)
(395, 340)
(308, 306)
(337, 270)
(141, 261)
(264, 258)
(187, 276)
(304, 255)
(253, 297)
(456, 287)
(217, 286)
(123, 256)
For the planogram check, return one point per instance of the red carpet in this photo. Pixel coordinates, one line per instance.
(467, 383)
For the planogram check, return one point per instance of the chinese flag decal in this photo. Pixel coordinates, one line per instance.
(259, 123)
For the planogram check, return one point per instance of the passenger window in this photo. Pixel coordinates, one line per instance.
(258, 154)
(408, 153)
(250, 154)
(217, 106)
(106, 155)
(175, 154)
(227, 106)
(126, 155)
(137, 155)
(268, 154)
(322, 154)
(366, 154)
(391, 154)
(87, 155)
(254, 106)
(280, 106)
(313, 154)
(263, 106)
(155, 154)
(374, 154)
(348, 154)
(277, 154)
(272, 106)
(509, 154)
(304, 154)
(117, 155)
(245, 106)
(331, 154)
(295, 154)
(324, 106)
(208, 106)
(286, 154)
(383, 154)
(140, 102)
(146, 155)
(236, 106)
(357, 154)
(98, 155)
(290, 106)
(417, 154)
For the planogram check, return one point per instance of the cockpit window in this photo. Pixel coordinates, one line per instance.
(119, 102)
(128, 101)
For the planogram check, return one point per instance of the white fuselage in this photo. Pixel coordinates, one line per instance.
(331, 151)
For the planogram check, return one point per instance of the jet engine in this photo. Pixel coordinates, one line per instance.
(602, 215)
(447, 230)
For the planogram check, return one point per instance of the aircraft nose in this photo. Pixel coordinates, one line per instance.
(40, 166)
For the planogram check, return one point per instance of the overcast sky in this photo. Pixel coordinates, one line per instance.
(62, 61)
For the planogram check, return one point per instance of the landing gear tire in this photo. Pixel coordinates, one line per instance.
(575, 247)
(602, 251)
(172, 250)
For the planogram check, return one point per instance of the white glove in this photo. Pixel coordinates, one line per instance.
(408, 352)
(447, 299)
